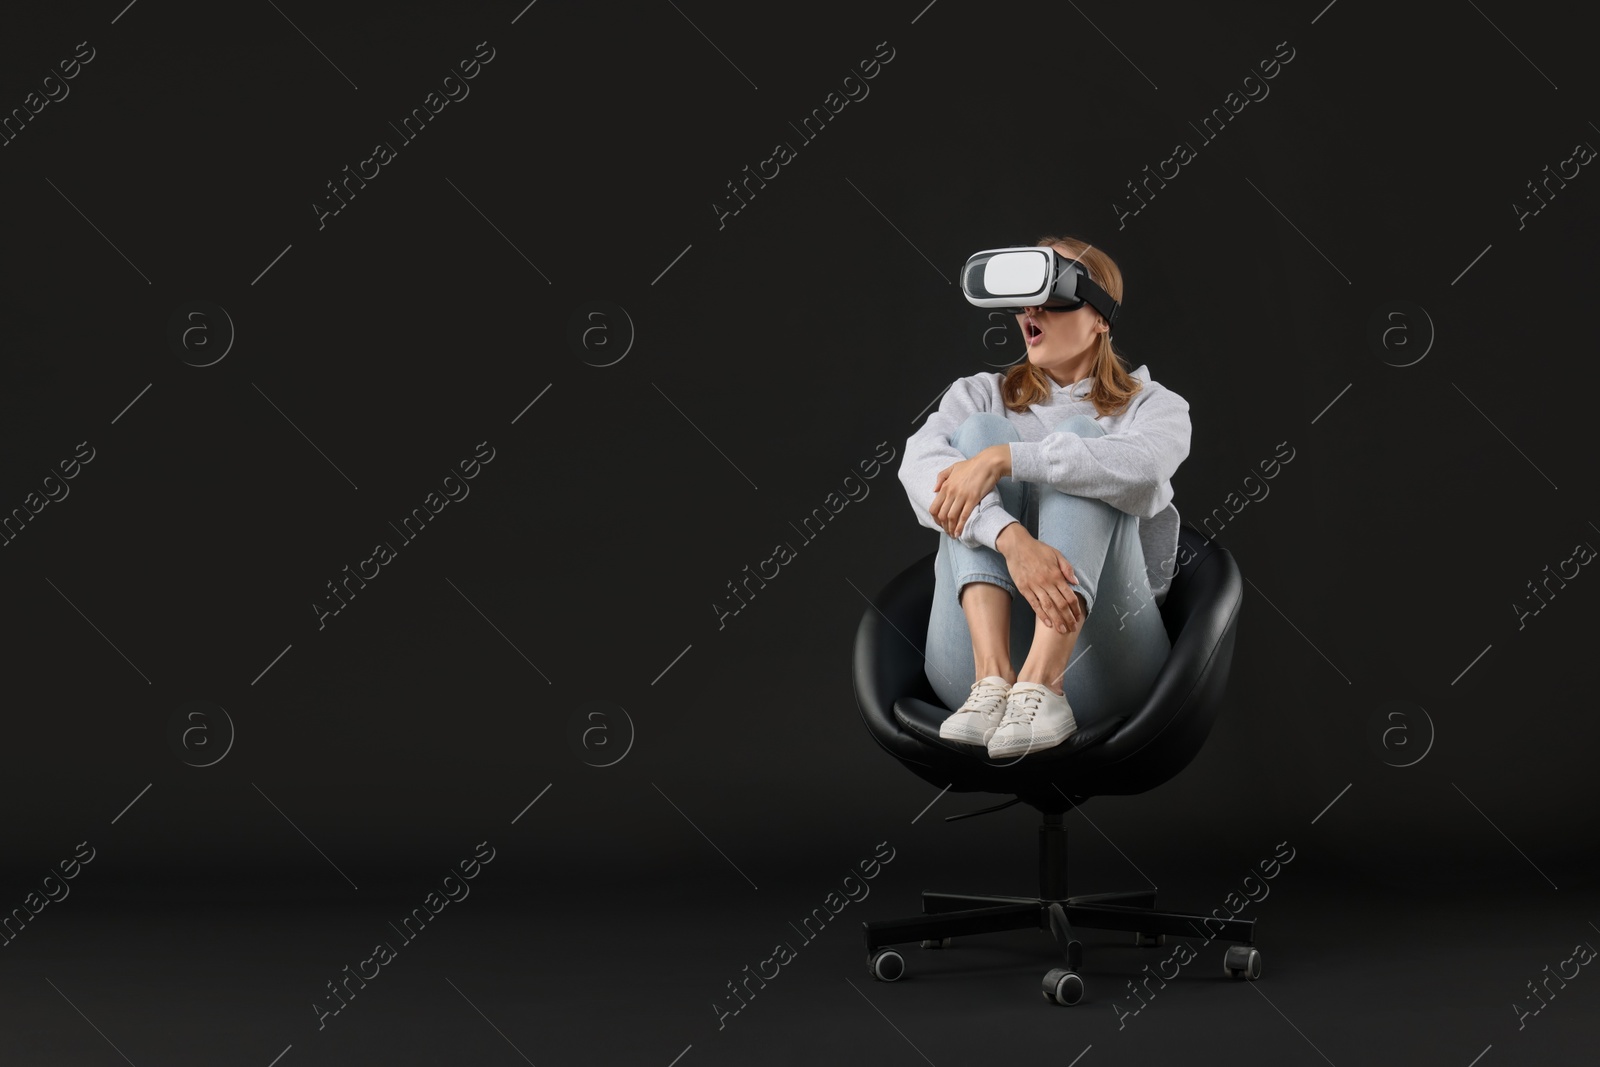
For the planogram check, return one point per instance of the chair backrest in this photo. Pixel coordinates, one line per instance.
(1161, 737)
(891, 643)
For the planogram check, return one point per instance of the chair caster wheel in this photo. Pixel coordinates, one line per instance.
(1149, 940)
(1242, 961)
(1062, 986)
(886, 965)
(941, 942)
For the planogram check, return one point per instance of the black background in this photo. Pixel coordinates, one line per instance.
(769, 356)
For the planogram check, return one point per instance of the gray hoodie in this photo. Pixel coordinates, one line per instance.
(1129, 468)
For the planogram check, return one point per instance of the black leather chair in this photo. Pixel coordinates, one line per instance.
(1120, 756)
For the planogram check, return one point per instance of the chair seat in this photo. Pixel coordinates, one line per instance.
(1124, 755)
(924, 720)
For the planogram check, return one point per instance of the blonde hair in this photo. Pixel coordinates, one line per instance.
(1113, 384)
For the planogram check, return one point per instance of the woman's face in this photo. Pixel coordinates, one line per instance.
(1056, 340)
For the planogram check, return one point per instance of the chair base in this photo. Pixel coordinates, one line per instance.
(958, 914)
(947, 915)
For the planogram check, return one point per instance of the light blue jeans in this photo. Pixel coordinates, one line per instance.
(1123, 642)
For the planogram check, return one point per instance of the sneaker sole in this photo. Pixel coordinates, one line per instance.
(1027, 747)
(966, 736)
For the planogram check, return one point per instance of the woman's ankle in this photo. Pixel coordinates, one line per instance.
(1054, 686)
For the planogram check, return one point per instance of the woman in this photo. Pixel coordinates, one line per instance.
(1052, 479)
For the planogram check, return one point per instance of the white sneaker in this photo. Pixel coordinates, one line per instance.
(980, 716)
(1035, 718)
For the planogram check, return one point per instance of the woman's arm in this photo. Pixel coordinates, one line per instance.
(1131, 469)
(929, 451)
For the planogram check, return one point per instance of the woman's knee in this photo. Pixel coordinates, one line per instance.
(982, 429)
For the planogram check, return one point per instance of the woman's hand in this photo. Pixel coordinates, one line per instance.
(961, 486)
(1044, 576)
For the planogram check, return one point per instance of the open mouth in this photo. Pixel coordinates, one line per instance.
(1031, 331)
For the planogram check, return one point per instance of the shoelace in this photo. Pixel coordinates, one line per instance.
(1022, 706)
(990, 700)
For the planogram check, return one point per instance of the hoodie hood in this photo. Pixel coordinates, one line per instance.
(1081, 387)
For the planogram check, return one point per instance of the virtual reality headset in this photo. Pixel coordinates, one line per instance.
(1025, 276)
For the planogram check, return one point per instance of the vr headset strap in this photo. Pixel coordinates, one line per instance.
(1098, 298)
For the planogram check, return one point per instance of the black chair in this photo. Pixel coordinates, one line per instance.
(1120, 756)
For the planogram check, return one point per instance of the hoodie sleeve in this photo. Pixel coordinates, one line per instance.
(929, 451)
(1131, 469)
